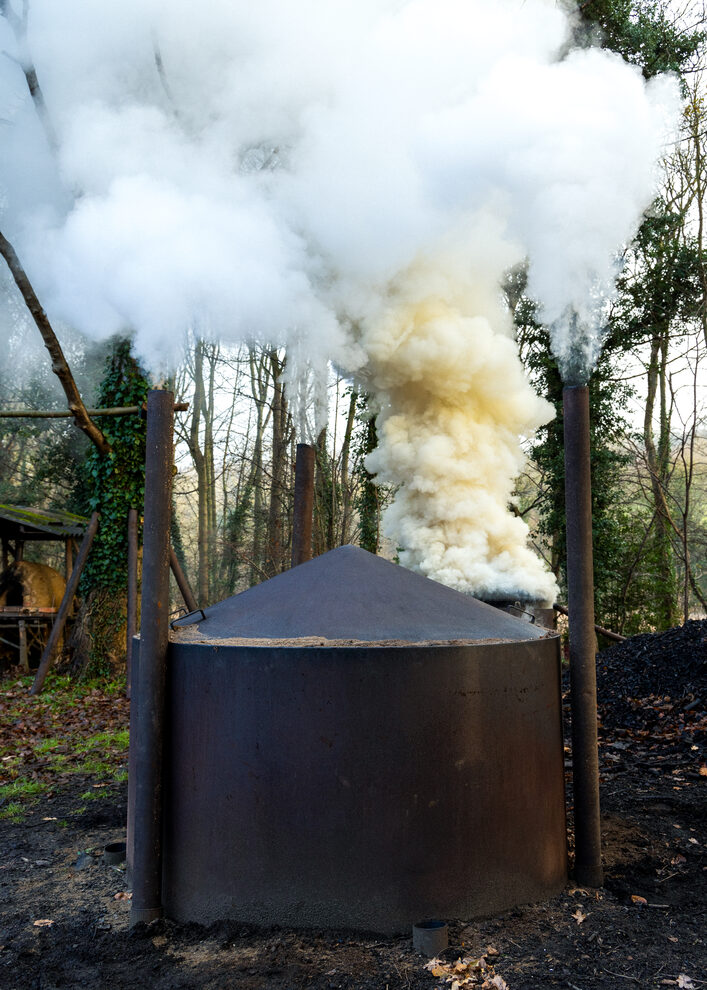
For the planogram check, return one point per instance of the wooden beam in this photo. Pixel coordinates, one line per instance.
(67, 413)
(65, 607)
(68, 558)
(614, 637)
(24, 657)
(182, 581)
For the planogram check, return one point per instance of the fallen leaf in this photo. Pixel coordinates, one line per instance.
(685, 982)
(677, 860)
(490, 951)
(499, 982)
(703, 771)
(694, 842)
(43, 923)
(437, 967)
(579, 916)
(49, 819)
(122, 895)
(673, 938)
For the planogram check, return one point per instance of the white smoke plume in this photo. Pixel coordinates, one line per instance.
(349, 181)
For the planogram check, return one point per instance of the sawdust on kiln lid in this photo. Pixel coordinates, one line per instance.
(192, 634)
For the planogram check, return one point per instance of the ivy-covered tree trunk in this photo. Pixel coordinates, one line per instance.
(324, 497)
(368, 501)
(114, 483)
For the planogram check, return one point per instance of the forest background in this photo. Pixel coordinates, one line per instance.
(235, 446)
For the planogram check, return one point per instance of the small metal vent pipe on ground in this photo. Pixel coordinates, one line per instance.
(303, 504)
(583, 682)
(148, 688)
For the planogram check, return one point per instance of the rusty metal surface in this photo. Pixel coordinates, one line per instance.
(131, 616)
(583, 681)
(303, 504)
(349, 593)
(364, 788)
(148, 680)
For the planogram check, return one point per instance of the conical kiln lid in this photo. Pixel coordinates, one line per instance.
(349, 593)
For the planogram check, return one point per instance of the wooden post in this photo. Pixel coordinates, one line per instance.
(182, 581)
(68, 558)
(24, 658)
(131, 622)
(19, 550)
(5, 555)
(65, 607)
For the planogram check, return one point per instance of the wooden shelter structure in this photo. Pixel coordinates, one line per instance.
(26, 624)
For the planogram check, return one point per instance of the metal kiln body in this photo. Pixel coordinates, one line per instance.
(361, 786)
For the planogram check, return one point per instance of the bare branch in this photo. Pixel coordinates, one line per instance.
(60, 366)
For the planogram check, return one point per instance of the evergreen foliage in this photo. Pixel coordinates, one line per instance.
(368, 495)
(115, 483)
(644, 32)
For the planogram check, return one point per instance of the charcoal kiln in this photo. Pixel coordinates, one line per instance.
(350, 744)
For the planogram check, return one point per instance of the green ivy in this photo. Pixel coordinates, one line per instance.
(369, 497)
(115, 483)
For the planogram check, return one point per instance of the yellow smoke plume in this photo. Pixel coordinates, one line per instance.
(454, 403)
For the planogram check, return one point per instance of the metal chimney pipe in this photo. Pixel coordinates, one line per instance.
(583, 676)
(303, 504)
(148, 689)
(131, 618)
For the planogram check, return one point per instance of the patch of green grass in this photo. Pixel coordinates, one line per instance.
(58, 760)
(62, 823)
(14, 812)
(120, 776)
(94, 795)
(22, 789)
(94, 765)
(120, 739)
(46, 746)
(60, 688)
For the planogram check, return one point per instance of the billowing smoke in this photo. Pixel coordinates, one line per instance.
(349, 181)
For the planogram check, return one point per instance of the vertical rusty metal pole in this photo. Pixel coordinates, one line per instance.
(148, 689)
(583, 676)
(303, 506)
(131, 618)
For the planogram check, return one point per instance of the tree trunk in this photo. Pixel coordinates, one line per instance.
(656, 461)
(345, 480)
(276, 550)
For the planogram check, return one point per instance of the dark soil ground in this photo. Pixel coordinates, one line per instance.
(64, 912)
